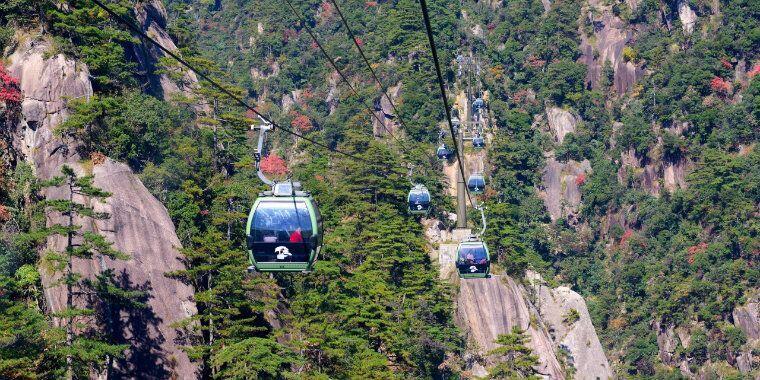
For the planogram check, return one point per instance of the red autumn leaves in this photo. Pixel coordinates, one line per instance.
(580, 179)
(694, 250)
(5, 214)
(302, 123)
(720, 86)
(10, 91)
(274, 164)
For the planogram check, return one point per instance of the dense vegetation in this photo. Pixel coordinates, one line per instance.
(687, 257)
(374, 307)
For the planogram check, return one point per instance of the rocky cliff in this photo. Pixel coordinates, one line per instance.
(604, 46)
(489, 307)
(561, 181)
(139, 226)
(567, 319)
(152, 18)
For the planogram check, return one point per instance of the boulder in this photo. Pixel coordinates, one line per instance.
(561, 122)
(687, 16)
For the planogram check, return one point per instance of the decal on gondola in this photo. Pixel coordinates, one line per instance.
(282, 252)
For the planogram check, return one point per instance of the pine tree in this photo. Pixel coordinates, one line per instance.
(86, 32)
(230, 310)
(82, 346)
(518, 362)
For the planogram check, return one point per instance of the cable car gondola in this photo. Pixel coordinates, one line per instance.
(443, 152)
(478, 104)
(478, 142)
(476, 183)
(419, 200)
(473, 259)
(284, 230)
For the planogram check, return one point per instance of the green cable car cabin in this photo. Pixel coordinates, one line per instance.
(473, 259)
(284, 230)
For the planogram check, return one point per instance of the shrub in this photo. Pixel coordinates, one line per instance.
(274, 164)
(571, 317)
(580, 180)
(755, 70)
(720, 86)
(302, 123)
(630, 55)
(9, 87)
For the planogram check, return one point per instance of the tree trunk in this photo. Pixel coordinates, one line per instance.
(69, 285)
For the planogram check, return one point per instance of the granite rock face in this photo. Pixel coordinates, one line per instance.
(385, 113)
(561, 181)
(139, 226)
(561, 122)
(489, 307)
(578, 338)
(611, 35)
(687, 16)
(747, 318)
(152, 18)
(561, 186)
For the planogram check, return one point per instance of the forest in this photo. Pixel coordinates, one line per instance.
(661, 240)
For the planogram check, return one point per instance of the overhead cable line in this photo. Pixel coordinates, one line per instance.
(136, 29)
(340, 72)
(366, 62)
(434, 52)
(383, 88)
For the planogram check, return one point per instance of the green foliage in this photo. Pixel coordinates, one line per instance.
(516, 148)
(509, 238)
(630, 55)
(572, 148)
(636, 132)
(6, 37)
(131, 127)
(563, 81)
(515, 358)
(21, 12)
(601, 192)
(82, 346)
(571, 317)
(23, 326)
(697, 349)
(86, 32)
(557, 38)
(375, 282)
(227, 318)
(252, 358)
(374, 307)
(642, 353)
